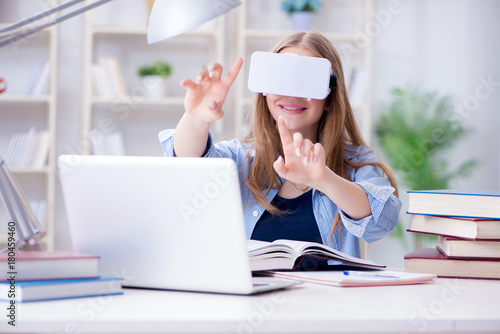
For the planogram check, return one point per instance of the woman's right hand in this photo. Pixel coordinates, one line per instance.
(205, 97)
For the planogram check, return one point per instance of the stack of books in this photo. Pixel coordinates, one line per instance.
(44, 275)
(468, 227)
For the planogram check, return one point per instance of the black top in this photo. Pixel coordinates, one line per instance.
(296, 223)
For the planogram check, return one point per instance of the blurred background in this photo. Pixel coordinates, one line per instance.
(93, 85)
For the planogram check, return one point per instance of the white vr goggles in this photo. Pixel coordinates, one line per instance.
(291, 75)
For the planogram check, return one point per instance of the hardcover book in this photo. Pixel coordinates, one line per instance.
(60, 289)
(468, 228)
(431, 260)
(455, 203)
(40, 265)
(472, 249)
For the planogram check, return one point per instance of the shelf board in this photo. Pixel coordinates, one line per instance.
(29, 170)
(141, 101)
(18, 98)
(137, 31)
(253, 33)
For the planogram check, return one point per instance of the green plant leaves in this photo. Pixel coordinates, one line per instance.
(159, 68)
(416, 131)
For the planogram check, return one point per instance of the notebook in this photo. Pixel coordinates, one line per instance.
(159, 222)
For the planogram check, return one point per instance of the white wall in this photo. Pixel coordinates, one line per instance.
(447, 45)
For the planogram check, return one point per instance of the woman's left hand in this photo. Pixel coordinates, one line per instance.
(303, 161)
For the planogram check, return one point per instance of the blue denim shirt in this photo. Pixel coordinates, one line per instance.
(384, 205)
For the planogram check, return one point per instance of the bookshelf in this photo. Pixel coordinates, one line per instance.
(21, 110)
(138, 117)
(340, 21)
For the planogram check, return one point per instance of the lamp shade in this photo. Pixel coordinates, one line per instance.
(169, 18)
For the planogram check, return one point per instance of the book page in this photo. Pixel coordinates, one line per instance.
(317, 249)
(257, 247)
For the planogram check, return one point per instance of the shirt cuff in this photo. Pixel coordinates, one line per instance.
(166, 138)
(377, 198)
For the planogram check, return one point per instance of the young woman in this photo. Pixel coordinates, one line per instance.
(306, 172)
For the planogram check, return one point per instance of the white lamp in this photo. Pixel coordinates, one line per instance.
(169, 18)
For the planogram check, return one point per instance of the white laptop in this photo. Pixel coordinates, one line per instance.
(158, 222)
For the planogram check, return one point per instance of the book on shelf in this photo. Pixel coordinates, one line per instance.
(49, 265)
(108, 144)
(431, 260)
(459, 227)
(29, 148)
(360, 278)
(455, 203)
(470, 249)
(60, 289)
(42, 85)
(107, 80)
(38, 79)
(287, 254)
(33, 76)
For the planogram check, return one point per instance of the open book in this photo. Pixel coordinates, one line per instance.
(287, 254)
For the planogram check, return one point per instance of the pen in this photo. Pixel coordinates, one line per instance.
(368, 274)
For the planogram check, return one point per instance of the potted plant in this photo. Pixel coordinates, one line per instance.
(301, 12)
(415, 132)
(154, 77)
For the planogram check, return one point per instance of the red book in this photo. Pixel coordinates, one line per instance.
(431, 260)
(44, 265)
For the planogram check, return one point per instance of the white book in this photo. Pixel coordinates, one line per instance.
(33, 77)
(42, 150)
(116, 141)
(11, 149)
(104, 80)
(31, 146)
(97, 89)
(42, 84)
(28, 148)
(19, 151)
(115, 76)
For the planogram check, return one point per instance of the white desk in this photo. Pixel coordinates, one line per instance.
(465, 306)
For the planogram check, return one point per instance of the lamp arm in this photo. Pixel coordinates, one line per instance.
(46, 25)
(21, 214)
(41, 15)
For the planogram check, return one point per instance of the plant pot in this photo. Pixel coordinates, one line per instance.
(156, 86)
(301, 21)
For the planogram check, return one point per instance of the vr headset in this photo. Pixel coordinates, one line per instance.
(291, 75)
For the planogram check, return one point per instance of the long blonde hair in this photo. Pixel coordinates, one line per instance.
(337, 129)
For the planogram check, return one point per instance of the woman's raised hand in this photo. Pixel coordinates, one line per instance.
(205, 97)
(303, 161)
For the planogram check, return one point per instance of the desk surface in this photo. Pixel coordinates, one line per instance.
(447, 305)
